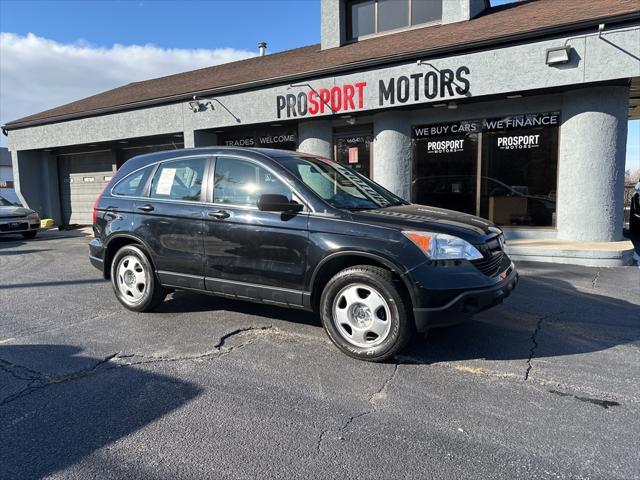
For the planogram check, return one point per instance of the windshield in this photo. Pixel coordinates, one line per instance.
(339, 186)
(5, 203)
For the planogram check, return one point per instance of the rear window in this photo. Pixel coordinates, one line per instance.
(179, 179)
(133, 184)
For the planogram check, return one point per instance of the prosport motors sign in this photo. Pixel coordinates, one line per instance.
(518, 142)
(411, 88)
(516, 132)
(446, 137)
(520, 132)
(445, 146)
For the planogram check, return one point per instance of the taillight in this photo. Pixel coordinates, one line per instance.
(95, 204)
(95, 208)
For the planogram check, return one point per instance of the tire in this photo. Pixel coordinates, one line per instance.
(30, 235)
(134, 280)
(364, 314)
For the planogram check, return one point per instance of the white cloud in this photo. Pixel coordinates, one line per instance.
(37, 73)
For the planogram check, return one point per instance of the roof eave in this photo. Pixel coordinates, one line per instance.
(394, 58)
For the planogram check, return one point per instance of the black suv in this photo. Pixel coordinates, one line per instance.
(291, 229)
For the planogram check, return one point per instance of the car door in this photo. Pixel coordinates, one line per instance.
(170, 220)
(251, 253)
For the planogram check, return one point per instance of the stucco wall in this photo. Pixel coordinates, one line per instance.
(331, 35)
(392, 152)
(316, 138)
(591, 167)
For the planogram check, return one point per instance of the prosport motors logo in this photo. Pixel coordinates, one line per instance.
(445, 146)
(518, 142)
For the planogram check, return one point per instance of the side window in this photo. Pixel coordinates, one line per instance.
(133, 185)
(238, 182)
(179, 179)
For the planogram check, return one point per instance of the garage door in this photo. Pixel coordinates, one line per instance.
(82, 179)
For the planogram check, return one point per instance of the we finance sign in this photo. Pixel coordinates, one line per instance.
(397, 90)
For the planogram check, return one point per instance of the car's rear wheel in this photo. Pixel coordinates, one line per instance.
(134, 281)
(30, 235)
(364, 313)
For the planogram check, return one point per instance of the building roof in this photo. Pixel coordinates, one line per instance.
(510, 22)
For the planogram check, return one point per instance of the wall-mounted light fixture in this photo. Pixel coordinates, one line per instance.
(195, 105)
(558, 55)
(198, 105)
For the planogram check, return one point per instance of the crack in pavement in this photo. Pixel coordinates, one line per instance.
(219, 349)
(534, 342)
(534, 347)
(38, 380)
(377, 396)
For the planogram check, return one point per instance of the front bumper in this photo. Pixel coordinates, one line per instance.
(466, 303)
(17, 225)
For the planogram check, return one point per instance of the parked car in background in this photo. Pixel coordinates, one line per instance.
(15, 219)
(294, 230)
(634, 214)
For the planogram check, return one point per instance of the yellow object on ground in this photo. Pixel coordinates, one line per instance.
(46, 223)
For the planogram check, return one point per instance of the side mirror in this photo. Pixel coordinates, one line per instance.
(270, 202)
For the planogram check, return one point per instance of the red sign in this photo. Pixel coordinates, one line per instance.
(353, 154)
(340, 98)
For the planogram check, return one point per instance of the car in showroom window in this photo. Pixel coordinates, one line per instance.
(295, 230)
(16, 219)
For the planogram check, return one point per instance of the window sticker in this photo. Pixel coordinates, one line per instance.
(353, 154)
(165, 182)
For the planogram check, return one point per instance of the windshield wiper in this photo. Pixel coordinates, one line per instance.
(357, 209)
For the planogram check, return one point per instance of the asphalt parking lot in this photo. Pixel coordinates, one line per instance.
(545, 386)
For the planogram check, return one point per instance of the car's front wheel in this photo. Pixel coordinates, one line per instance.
(364, 313)
(134, 281)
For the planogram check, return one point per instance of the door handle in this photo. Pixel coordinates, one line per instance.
(146, 208)
(219, 214)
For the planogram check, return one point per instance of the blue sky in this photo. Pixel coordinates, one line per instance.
(63, 37)
(239, 24)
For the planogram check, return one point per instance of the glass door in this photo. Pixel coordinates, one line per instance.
(352, 148)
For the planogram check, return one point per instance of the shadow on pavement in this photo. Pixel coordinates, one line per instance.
(23, 252)
(56, 283)
(183, 301)
(544, 313)
(574, 321)
(64, 418)
(12, 241)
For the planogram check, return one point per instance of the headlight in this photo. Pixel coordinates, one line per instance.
(33, 216)
(439, 246)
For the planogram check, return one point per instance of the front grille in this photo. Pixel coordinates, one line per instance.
(492, 255)
(8, 227)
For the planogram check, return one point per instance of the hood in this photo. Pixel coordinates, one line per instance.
(14, 212)
(421, 217)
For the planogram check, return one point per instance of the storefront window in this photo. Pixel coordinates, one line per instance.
(445, 165)
(511, 181)
(519, 170)
(354, 150)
